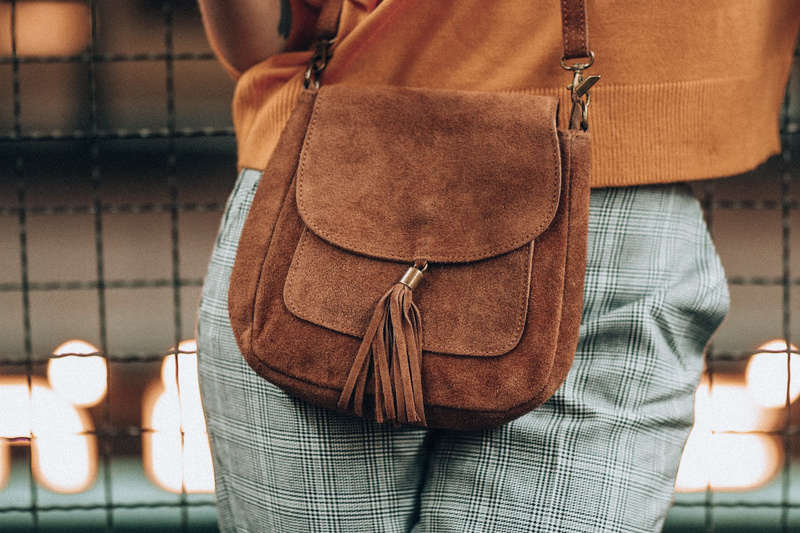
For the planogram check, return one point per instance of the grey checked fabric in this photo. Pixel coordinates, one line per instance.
(600, 456)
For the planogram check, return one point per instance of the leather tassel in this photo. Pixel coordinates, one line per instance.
(392, 350)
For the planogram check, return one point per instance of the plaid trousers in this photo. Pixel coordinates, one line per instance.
(600, 455)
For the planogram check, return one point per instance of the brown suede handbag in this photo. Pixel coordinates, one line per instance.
(417, 256)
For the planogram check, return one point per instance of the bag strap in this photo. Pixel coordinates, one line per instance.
(328, 20)
(324, 36)
(575, 36)
(573, 29)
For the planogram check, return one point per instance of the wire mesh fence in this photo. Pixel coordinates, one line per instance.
(116, 155)
(116, 158)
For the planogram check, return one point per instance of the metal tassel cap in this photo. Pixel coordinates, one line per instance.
(411, 278)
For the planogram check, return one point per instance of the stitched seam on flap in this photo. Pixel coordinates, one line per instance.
(288, 290)
(406, 255)
(302, 170)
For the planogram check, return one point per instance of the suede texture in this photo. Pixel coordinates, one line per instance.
(504, 327)
(393, 173)
(336, 289)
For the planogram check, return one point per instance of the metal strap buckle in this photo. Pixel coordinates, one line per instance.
(317, 63)
(579, 88)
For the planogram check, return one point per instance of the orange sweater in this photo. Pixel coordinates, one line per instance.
(691, 89)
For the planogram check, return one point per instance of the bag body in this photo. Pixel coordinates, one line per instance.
(480, 188)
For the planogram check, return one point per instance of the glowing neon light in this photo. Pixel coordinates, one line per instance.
(176, 453)
(55, 430)
(46, 415)
(768, 374)
(82, 379)
(717, 456)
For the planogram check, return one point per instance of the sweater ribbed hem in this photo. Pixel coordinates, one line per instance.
(681, 131)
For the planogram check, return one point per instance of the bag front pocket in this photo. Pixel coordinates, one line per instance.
(475, 309)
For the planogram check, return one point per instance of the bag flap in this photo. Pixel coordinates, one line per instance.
(448, 176)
